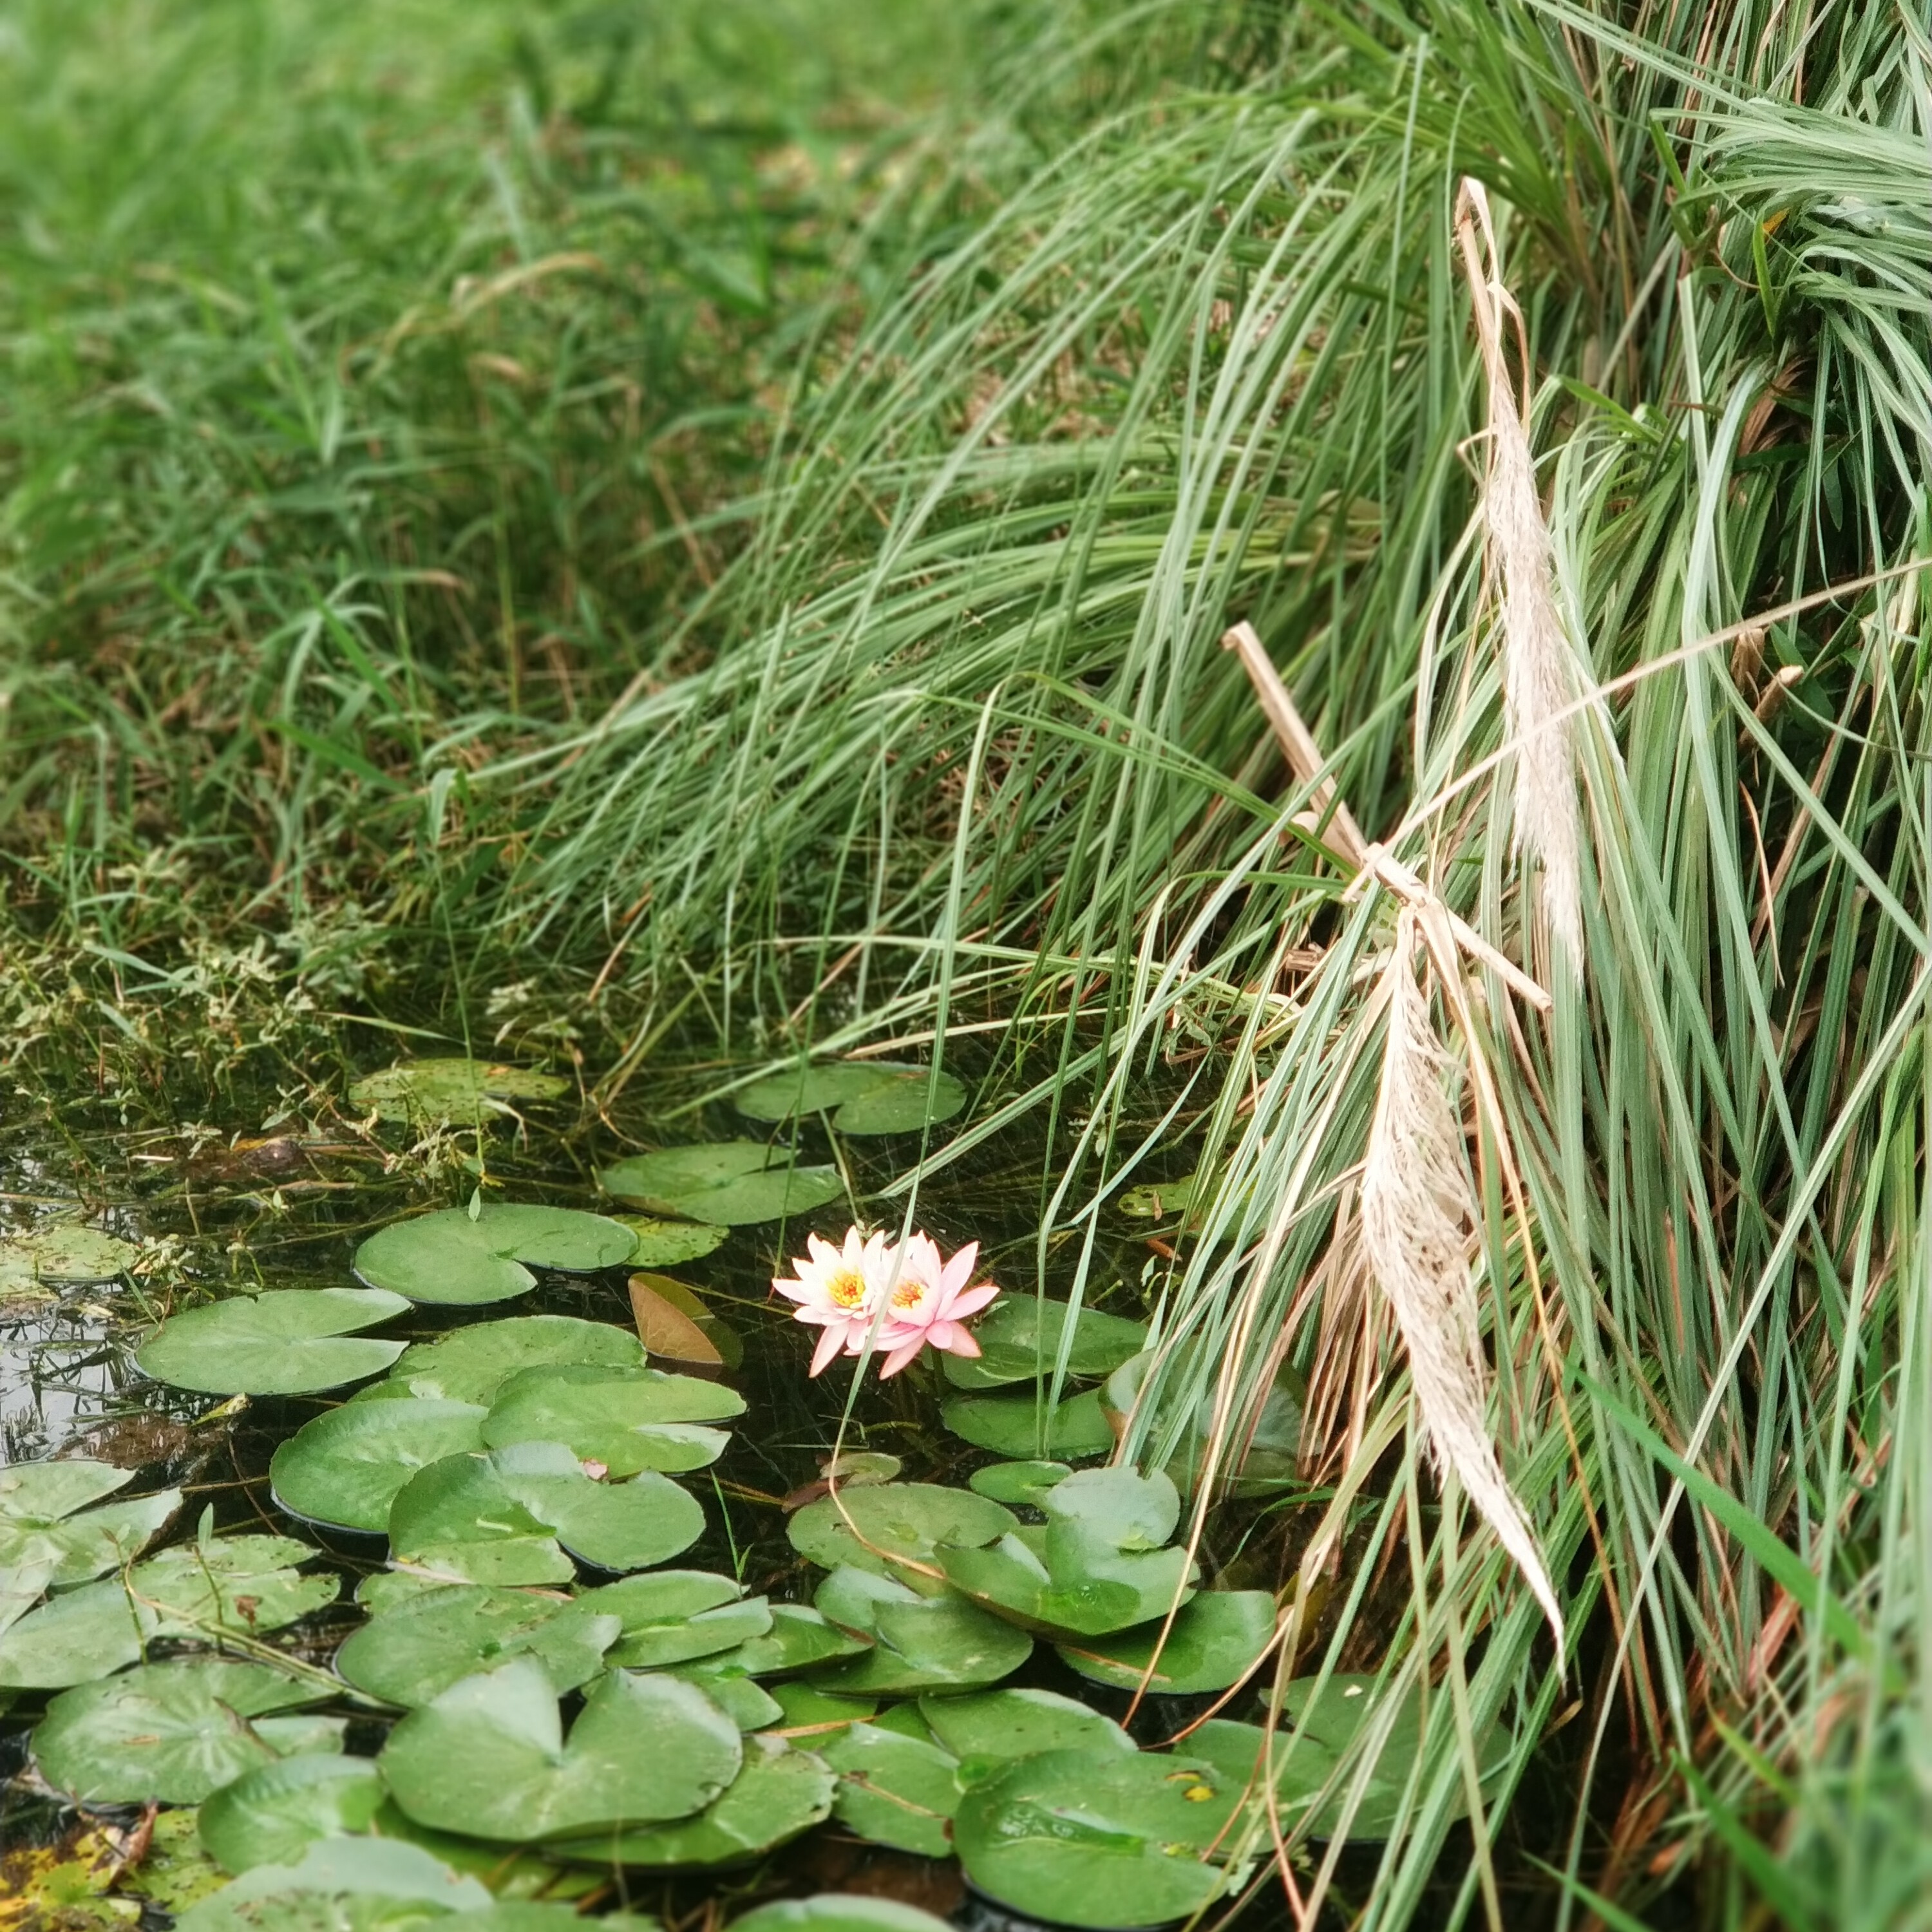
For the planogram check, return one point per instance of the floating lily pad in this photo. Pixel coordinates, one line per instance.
(344, 1884)
(839, 1912)
(983, 1731)
(173, 1733)
(626, 1419)
(749, 1705)
(288, 1342)
(1214, 1643)
(894, 1789)
(850, 1596)
(237, 1585)
(779, 1793)
(727, 1183)
(868, 1527)
(1102, 1839)
(1016, 1483)
(1021, 1336)
(345, 1468)
(500, 1517)
(671, 1616)
(489, 1757)
(1266, 1447)
(270, 1815)
(862, 1097)
(473, 1363)
(859, 1466)
(454, 1090)
(675, 1325)
(412, 1654)
(447, 1257)
(1016, 1426)
(63, 1251)
(942, 1643)
(49, 1538)
(810, 1717)
(664, 1243)
(796, 1639)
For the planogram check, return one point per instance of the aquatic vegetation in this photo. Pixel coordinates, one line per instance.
(897, 1297)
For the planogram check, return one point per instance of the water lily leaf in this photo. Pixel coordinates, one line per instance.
(270, 1815)
(671, 1616)
(1015, 1426)
(455, 1091)
(49, 1538)
(1020, 1338)
(626, 1419)
(811, 1090)
(1212, 1645)
(863, 1096)
(850, 1596)
(894, 1790)
(1016, 1483)
(674, 1325)
(730, 1183)
(907, 1521)
(839, 1912)
(1103, 1839)
(411, 1654)
(345, 1468)
(860, 1466)
(1266, 1446)
(941, 1643)
(779, 1793)
(810, 1717)
(749, 1705)
(287, 1341)
(798, 1638)
(343, 1885)
(473, 1363)
(500, 1516)
(63, 1251)
(489, 1757)
(238, 1585)
(446, 1257)
(664, 1243)
(984, 1732)
(173, 1733)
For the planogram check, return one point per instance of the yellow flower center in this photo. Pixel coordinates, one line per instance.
(909, 1293)
(846, 1289)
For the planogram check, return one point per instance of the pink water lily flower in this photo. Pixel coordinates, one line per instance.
(929, 1303)
(839, 1289)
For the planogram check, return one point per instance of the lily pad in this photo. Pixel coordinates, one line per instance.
(455, 1091)
(862, 1097)
(1023, 1483)
(1266, 1451)
(797, 1638)
(779, 1793)
(672, 1616)
(270, 1815)
(412, 1654)
(63, 1251)
(810, 1717)
(1021, 1336)
(984, 1732)
(49, 1538)
(626, 1419)
(875, 1526)
(473, 1363)
(1212, 1644)
(664, 1243)
(749, 1705)
(344, 1885)
(500, 1517)
(894, 1790)
(345, 1468)
(675, 1325)
(730, 1183)
(446, 1257)
(942, 1643)
(489, 1757)
(235, 1585)
(173, 1733)
(287, 1341)
(839, 1912)
(1102, 1839)
(1014, 1425)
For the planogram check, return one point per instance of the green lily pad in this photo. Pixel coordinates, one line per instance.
(727, 1183)
(797, 1638)
(663, 1243)
(344, 1885)
(473, 1363)
(412, 1654)
(1021, 1336)
(749, 1705)
(894, 1790)
(489, 1757)
(345, 1468)
(447, 1257)
(456, 1091)
(1267, 1447)
(862, 1097)
(984, 1732)
(1212, 1644)
(287, 1341)
(779, 1793)
(173, 1733)
(1014, 1425)
(941, 1643)
(626, 1419)
(1016, 1483)
(839, 1912)
(859, 1466)
(871, 1527)
(237, 1585)
(61, 1252)
(500, 1517)
(49, 1539)
(1101, 1839)
(270, 1815)
(850, 1596)
(810, 1717)
(673, 1616)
